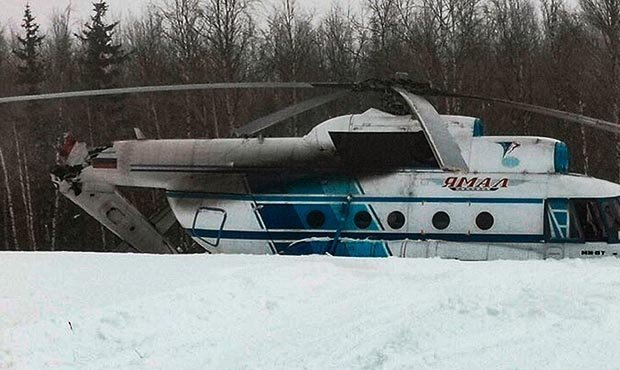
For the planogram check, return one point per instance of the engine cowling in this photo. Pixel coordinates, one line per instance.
(504, 154)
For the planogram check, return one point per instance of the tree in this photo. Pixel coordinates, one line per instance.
(150, 60)
(30, 73)
(63, 73)
(102, 56)
(604, 17)
(515, 43)
(566, 69)
(4, 52)
(31, 70)
(100, 64)
(101, 60)
(60, 49)
(344, 41)
(384, 45)
(444, 40)
(290, 49)
(183, 27)
(229, 30)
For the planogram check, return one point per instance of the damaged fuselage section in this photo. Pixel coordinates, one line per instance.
(102, 200)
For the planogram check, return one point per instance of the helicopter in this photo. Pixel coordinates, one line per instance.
(372, 184)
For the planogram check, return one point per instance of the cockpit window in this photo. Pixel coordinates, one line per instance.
(590, 219)
(561, 223)
(583, 220)
(611, 213)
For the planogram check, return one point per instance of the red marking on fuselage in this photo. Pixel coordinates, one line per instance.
(464, 183)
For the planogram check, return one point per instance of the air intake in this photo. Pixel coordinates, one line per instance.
(561, 158)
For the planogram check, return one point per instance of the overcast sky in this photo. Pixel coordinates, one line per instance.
(11, 11)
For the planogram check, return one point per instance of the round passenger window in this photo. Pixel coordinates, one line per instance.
(441, 220)
(315, 219)
(362, 219)
(396, 220)
(485, 221)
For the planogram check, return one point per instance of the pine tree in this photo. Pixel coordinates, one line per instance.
(101, 55)
(31, 71)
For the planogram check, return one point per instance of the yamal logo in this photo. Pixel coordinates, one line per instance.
(509, 147)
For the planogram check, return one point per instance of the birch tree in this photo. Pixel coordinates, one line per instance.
(229, 29)
(31, 73)
(9, 197)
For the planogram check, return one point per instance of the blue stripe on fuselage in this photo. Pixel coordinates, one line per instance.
(329, 198)
(370, 235)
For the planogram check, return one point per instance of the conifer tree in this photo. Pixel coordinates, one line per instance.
(102, 55)
(31, 71)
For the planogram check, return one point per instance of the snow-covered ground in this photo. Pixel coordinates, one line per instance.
(89, 311)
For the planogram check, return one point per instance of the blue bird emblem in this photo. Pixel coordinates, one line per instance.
(509, 147)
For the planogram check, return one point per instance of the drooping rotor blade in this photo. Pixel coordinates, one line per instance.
(445, 148)
(549, 112)
(168, 88)
(288, 112)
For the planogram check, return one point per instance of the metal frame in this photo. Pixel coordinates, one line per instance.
(219, 234)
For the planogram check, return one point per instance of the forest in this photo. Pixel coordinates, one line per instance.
(549, 52)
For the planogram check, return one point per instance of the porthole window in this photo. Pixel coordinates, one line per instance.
(315, 219)
(396, 220)
(485, 221)
(441, 220)
(362, 219)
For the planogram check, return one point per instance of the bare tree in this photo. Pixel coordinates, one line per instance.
(565, 66)
(343, 39)
(184, 29)
(229, 29)
(604, 16)
(60, 49)
(290, 48)
(384, 43)
(63, 72)
(444, 37)
(515, 45)
(149, 58)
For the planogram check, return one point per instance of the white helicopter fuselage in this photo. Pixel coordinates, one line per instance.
(354, 186)
(397, 215)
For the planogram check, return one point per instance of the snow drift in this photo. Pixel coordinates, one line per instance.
(246, 312)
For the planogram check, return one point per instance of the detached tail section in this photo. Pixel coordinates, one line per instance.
(103, 201)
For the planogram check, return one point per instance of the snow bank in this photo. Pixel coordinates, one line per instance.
(246, 312)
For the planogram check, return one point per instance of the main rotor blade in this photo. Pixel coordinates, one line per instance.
(168, 88)
(286, 113)
(445, 148)
(549, 112)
